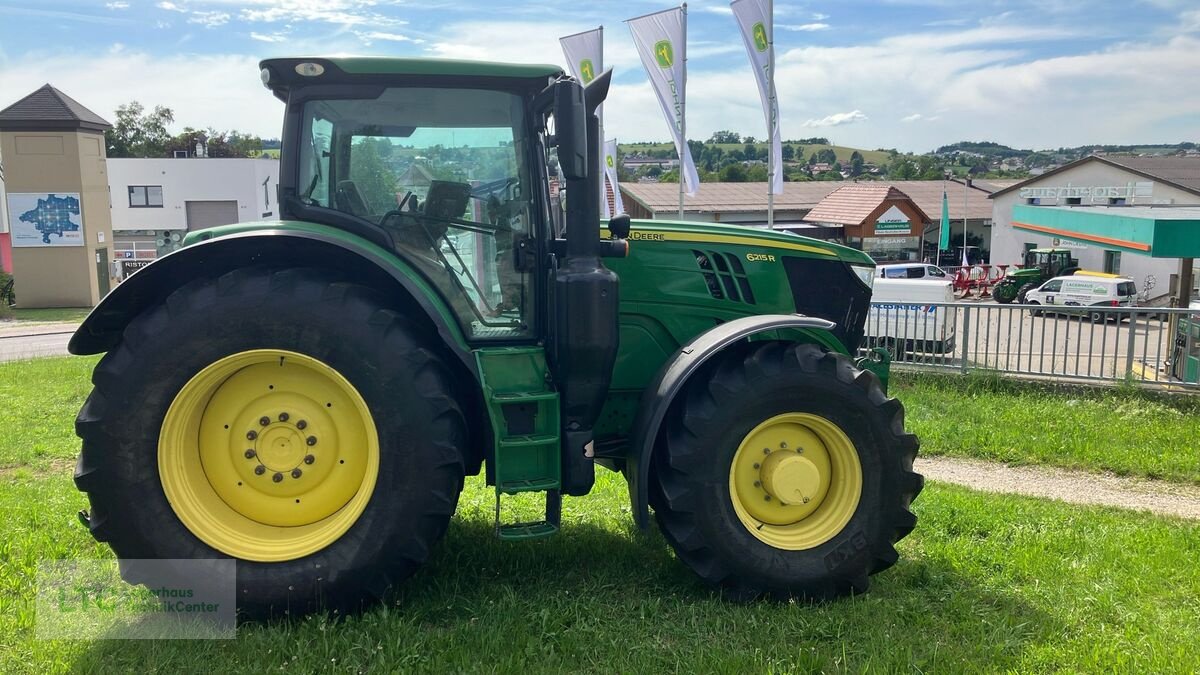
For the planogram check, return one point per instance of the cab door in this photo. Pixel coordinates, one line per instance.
(1049, 292)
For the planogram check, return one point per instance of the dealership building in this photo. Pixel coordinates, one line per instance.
(73, 222)
(1134, 216)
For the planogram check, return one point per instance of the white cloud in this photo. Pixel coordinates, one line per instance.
(209, 19)
(912, 118)
(837, 119)
(805, 27)
(261, 37)
(117, 5)
(719, 9)
(170, 7)
(817, 16)
(340, 12)
(369, 37)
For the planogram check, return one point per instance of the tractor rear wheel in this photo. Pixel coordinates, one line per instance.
(283, 418)
(1023, 292)
(785, 471)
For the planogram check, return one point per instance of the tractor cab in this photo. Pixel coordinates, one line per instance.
(1051, 262)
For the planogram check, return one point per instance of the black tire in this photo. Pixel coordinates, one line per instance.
(1098, 317)
(721, 404)
(1004, 292)
(1023, 292)
(391, 362)
(1035, 311)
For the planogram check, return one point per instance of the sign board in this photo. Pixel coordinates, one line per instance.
(1068, 243)
(131, 266)
(893, 221)
(45, 219)
(1085, 193)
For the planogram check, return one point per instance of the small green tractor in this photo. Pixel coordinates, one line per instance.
(1041, 265)
(439, 299)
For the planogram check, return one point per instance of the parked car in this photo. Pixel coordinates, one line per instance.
(1083, 294)
(905, 320)
(911, 271)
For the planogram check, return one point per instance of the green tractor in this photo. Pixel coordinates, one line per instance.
(1040, 266)
(306, 395)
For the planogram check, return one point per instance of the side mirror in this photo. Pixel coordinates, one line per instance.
(570, 129)
(618, 225)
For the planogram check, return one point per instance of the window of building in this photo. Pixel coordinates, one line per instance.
(1112, 262)
(1074, 201)
(145, 196)
(1117, 201)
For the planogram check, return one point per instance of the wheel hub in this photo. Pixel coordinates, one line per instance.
(268, 455)
(795, 480)
(792, 478)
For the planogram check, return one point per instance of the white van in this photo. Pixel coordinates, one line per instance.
(1084, 294)
(904, 320)
(911, 271)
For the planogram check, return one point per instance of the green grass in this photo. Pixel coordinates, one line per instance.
(985, 584)
(1123, 430)
(51, 315)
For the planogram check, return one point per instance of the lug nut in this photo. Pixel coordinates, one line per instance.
(767, 497)
(277, 477)
(311, 440)
(260, 470)
(309, 459)
(301, 424)
(757, 483)
(806, 500)
(783, 444)
(283, 417)
(296, 473)
(250, 453)
(264, 420)
(757, 465)
(766, 451)
(799, 451)
(251, 435)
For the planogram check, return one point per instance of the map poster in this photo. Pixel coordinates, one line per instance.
(45, 219)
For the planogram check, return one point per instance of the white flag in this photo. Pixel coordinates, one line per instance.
(610, 174)
(661, 40)
(758, 31)
(585, 54)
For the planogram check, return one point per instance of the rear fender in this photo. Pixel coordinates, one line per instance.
(673, 376)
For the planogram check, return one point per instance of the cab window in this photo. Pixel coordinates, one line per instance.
(443, 172)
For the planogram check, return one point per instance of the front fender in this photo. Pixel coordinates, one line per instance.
(308, 245)
(657, 397)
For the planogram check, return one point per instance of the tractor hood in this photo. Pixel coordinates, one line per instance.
(667, 230)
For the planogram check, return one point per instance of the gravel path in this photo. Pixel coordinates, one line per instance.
(1076, 487)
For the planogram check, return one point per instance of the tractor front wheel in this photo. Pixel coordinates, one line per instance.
(785, 471)
(283, 418)
(1005, 292)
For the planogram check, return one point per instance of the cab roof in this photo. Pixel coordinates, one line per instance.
(284, 72)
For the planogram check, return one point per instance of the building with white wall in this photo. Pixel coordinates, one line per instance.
(1108, 182)
(155, 202)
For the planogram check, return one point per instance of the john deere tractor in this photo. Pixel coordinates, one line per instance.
(439, 299)
(1040, 266)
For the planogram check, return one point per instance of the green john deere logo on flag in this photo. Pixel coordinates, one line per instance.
(760, 36)
(664, 53)
(587, 71)
(609, 160)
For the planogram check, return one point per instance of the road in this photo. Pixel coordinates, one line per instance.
(33, 341)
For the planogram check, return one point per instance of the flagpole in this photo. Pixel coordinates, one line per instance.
(939, 244)
(966, 188)
(771, 168)
(683, 112)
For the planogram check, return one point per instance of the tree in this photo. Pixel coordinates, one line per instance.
(856, 163)
(750, 151)
(733, 173)
(137, 133)
(372, 175)
(757, 174)
(789, 152)
(725, 137)
(827, 155)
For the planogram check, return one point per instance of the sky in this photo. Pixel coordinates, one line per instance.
(905, 74)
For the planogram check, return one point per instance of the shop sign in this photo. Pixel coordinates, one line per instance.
(1087, 193)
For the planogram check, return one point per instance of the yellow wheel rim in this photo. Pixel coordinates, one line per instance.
(268, 455)
(795, 481)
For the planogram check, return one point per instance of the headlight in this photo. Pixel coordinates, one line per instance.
(865, 274)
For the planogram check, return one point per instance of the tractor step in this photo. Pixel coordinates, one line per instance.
(531, 530)
(523, 411)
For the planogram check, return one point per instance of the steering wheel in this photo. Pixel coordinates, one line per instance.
(399, 210)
